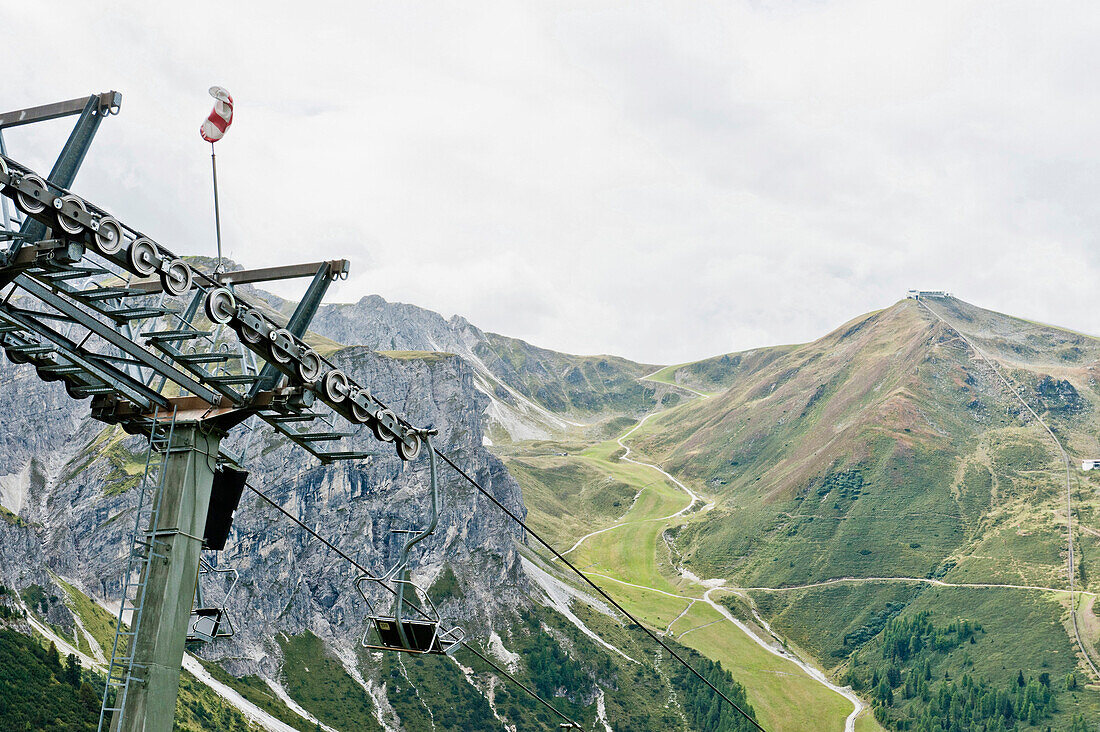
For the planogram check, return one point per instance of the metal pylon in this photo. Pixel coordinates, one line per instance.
(123, 671)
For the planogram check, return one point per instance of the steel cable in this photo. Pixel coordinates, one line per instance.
(361, 568)
(598, 589)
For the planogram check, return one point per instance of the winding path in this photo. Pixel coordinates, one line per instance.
(626, 456)
(715, 585)
(921, 580)
(817, 675)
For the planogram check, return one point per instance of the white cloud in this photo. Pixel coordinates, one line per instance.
(662, 181)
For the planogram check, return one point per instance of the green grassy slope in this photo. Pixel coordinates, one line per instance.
(885, 449)
(565, 383)
(716, 374)
(633, 551)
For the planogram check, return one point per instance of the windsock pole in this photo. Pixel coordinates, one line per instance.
(217, 212)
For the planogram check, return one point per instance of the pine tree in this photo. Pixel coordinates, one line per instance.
(884, 693)
(53, 657)
(72, 671)
(1033, 714)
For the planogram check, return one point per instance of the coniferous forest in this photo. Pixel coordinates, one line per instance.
(39, 690)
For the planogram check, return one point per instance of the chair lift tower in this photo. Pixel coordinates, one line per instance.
(175, 354)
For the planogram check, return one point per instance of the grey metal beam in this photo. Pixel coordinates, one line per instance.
(72, 155)
(124, 344)
(336, 267)
(299, 321)
(132, 389)
(107, 101)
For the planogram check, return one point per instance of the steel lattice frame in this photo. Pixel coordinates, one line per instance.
(116, 316)
(119, 318)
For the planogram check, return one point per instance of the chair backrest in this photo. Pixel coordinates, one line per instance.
(422, 635)
(204, 624)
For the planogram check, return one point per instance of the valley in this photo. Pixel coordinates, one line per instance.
(787, 512)
(988, 562)
(632, 562)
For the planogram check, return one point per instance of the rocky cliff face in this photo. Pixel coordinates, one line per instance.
(533, 392)
(68, 482)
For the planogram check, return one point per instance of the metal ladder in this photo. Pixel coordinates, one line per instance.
(123, 672)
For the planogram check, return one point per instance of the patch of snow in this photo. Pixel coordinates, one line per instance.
(559, 596)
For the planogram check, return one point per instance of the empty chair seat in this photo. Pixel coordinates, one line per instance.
(205, 624)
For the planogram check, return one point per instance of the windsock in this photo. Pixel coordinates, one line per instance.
(213, 129)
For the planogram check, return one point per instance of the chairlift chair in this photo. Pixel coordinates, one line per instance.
(210, 621)
(396, 631)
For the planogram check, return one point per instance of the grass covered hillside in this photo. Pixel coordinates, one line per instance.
(565, 383)
(885, 471)
(886, 446)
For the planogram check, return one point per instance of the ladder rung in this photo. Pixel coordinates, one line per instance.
(104, 293)
(234, 379)
(31, 350)
(174, 335)
(9, 327)
(67, 369)
(317, 436)
(72, 273)
(343, 455)
(303, 417)
(139, 313)
(197, 358)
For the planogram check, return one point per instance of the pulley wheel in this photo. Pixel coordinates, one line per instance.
(16, 357)
(4, 172)
(176, 277)
(381, 431)
(143, 257)
(281, 343)
(221, 306)
(67, 224)
(30, 204)
(249, 333)
(309, 366)
(359, 412)
(108, 239)
(335, 386)
(404, 451)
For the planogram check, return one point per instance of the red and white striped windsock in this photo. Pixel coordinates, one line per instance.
(213, 129)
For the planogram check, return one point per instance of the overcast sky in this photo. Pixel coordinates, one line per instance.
(664, 182)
